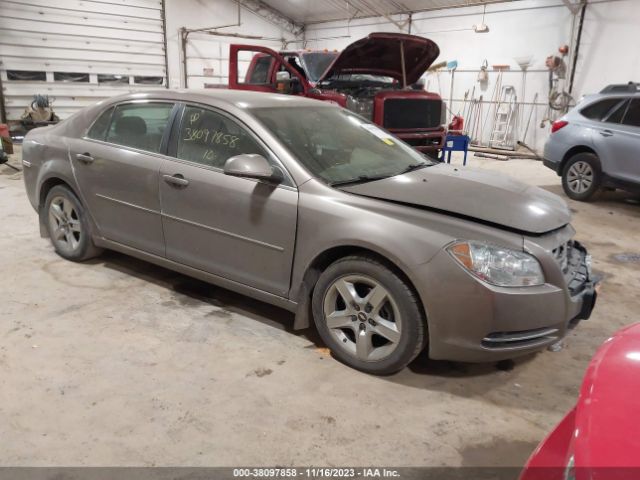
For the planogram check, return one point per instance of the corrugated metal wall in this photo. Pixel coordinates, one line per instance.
(113, 46)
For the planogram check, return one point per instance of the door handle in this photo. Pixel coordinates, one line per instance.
(176, 180)
(606, 133)
(85, 158)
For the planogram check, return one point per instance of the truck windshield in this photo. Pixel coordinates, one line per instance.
(317, 62)
(339, 146)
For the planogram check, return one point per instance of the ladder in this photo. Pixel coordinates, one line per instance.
(503, 134)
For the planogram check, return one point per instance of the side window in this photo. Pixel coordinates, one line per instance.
(598, 110)
(632, 117)
(139, 125)
(618, 112)
(208, 138)
(260, 73)
(254, 67)
(98, 130)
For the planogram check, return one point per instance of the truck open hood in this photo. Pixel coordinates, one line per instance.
(474, 194)
(379, 54)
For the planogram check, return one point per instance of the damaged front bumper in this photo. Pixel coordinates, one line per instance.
(474, 321)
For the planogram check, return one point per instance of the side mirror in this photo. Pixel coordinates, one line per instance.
(283, 76)
(283, 82)
(252, 165)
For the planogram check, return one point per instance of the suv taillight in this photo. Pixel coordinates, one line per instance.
(558, 124)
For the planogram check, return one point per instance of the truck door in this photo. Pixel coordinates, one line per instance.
(252, 67)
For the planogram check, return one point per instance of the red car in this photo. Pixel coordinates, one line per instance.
(600, 437)
(376, 77)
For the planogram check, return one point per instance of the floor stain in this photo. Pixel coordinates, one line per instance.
(329, 419)
(626, 257)
(218, 313)
(260, 372)
(512, 453)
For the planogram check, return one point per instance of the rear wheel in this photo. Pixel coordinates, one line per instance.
(368, 316)
(68, 226)
(582, 176)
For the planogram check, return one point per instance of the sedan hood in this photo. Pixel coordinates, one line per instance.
(475, 194)
(380, 54)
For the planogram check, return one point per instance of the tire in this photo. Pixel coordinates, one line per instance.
(582, 176)
(380, 337)
(68, 226)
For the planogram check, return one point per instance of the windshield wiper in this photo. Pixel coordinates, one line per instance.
(359, 179)
(415, 166)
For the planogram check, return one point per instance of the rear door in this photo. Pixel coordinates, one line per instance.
(627, 158)
(237, 228)
(617, 141)
(117, 165)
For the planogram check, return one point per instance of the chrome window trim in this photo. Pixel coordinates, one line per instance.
(117, 104)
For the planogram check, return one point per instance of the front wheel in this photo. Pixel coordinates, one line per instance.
(368, 316)
(581, 177)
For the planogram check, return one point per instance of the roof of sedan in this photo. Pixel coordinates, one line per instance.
(238, 98)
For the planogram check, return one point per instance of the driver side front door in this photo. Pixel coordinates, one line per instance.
(237, 228)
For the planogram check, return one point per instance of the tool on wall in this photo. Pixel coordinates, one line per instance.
(559, 100)
(495, 96)
(505, 123)
(483, 75)
(451, 66)
(526, 129)
(474, 125)
(524, 63)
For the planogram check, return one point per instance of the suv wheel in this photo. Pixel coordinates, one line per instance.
(68, 226)
(581, 176)
(368, 316)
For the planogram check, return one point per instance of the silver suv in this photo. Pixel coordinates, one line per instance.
(597, 143)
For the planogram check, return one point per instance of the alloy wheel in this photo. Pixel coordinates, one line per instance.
(580, 177)
(64, 224)
(363, 317)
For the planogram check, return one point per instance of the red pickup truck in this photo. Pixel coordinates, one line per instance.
(376, 77)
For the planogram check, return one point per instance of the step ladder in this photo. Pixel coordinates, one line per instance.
(503, 134)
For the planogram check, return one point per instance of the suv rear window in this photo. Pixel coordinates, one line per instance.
(598, 110)
(632, 117)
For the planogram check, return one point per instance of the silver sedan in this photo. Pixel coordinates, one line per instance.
(310, 207)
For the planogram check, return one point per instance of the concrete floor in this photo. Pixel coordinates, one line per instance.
(118, 362)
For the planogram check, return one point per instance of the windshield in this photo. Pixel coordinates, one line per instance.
(339, 146)
(317, 63)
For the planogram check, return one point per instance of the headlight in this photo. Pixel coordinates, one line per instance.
(497, 265)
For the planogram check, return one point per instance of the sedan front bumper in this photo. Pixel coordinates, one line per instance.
(472, 321)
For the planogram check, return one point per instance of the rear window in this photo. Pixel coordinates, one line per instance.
(632, 117)
(139, 125)
(599, 110)
(98, 130)
(261, 69)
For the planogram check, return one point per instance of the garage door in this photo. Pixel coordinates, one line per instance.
(79, 51)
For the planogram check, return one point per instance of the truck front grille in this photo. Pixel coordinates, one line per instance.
(411, 113)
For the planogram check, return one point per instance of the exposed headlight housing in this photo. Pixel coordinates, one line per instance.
(497, 265)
